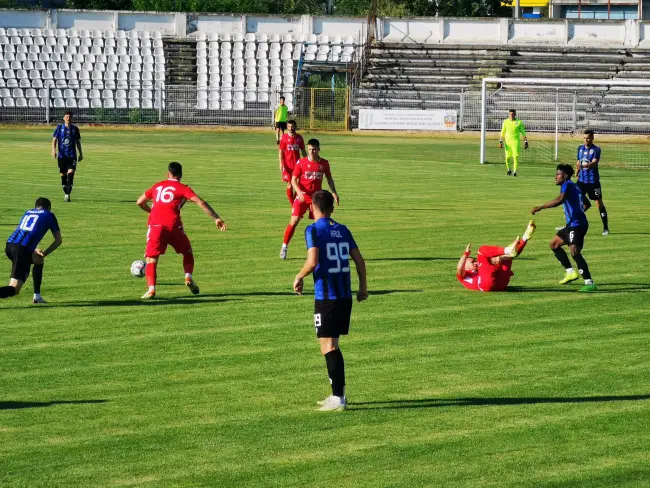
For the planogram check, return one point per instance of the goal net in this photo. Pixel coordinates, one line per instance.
(556, 112)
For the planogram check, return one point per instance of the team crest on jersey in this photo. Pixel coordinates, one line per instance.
(66, 141)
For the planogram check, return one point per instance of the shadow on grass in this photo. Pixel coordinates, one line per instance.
(413, 259)
(397, 209)
(391, 292)
(479, 402)
(602, 288)
(633, 233)
(186, 300)
(19, 405)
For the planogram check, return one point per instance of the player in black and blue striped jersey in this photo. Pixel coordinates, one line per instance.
(22, 248)
(330, 246)
(589, 177)
(67, 139)
(573, 235)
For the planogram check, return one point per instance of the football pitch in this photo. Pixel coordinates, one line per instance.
(541, 386)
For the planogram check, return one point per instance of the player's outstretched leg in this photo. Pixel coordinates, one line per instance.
(188, 267)
(151, 275)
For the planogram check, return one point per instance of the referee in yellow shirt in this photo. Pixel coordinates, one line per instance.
(511, 130)
(281, 115)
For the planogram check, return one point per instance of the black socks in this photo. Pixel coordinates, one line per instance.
(562, 257)
(336, 371)
(7, 291)
(37, 276)
(64, 183)
(582, 266)
(70, 182)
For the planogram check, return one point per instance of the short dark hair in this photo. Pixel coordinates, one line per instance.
(588, 132)
(566, 168)
(323, 201)
(282, 98)
(42, 202)
(313, 142)
(68, 112)
(513, 111)
(292, 122)
(176, 169)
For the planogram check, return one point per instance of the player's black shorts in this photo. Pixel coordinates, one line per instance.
(592, 190)
(332, 317)
(281, 125)
(573, 235)
(67, 164)
(21, 261)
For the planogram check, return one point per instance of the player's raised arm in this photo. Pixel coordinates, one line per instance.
(460, 268)
(142, 202)
(308, 268)
(205, 206)
(360, 264)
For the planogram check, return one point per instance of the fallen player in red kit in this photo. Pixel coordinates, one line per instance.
(491, 269)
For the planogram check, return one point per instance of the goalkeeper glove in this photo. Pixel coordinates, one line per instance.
(501, 143)
(525, 144)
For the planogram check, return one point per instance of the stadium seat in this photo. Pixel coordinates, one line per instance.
(147, 104)
(21, 102)
(83, 103)
(109, 103)
(70, 103)
(214, 104)
(8, 102)
(134, 103)
(202, 104)
(34, 103)
(121, 103)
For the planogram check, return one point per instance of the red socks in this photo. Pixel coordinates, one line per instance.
(188, 263)
(521, 246)
(288, 234)
(290, 195)
(150, 273)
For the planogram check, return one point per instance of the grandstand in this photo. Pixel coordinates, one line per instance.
(424, 76)
(212, 77)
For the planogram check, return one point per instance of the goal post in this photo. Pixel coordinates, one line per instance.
(555, 113)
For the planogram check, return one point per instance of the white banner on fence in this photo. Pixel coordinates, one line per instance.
(373, 119)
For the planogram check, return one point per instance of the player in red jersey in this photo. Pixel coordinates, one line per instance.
(166, 227)
(292, 146)
(306, 179)
(491, 270)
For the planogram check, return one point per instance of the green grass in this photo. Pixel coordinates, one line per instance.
(542, 387)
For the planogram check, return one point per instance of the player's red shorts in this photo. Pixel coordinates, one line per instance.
(492, 277)
(159, 237)
(299, 208)
(286, 174)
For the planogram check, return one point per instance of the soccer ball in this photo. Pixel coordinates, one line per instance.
(138, 267)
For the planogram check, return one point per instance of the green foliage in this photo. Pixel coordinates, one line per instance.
(389, 8)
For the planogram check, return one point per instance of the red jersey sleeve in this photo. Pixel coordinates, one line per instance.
(327, 171)
(149, 193)
(189, 193)
(283, 143)
(297, 170)
(470, 281)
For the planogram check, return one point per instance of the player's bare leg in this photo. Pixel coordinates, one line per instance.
(337, 401)
(151, 275)
(12, 289)
(291, 196)
(288, 234)
(188, 267)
